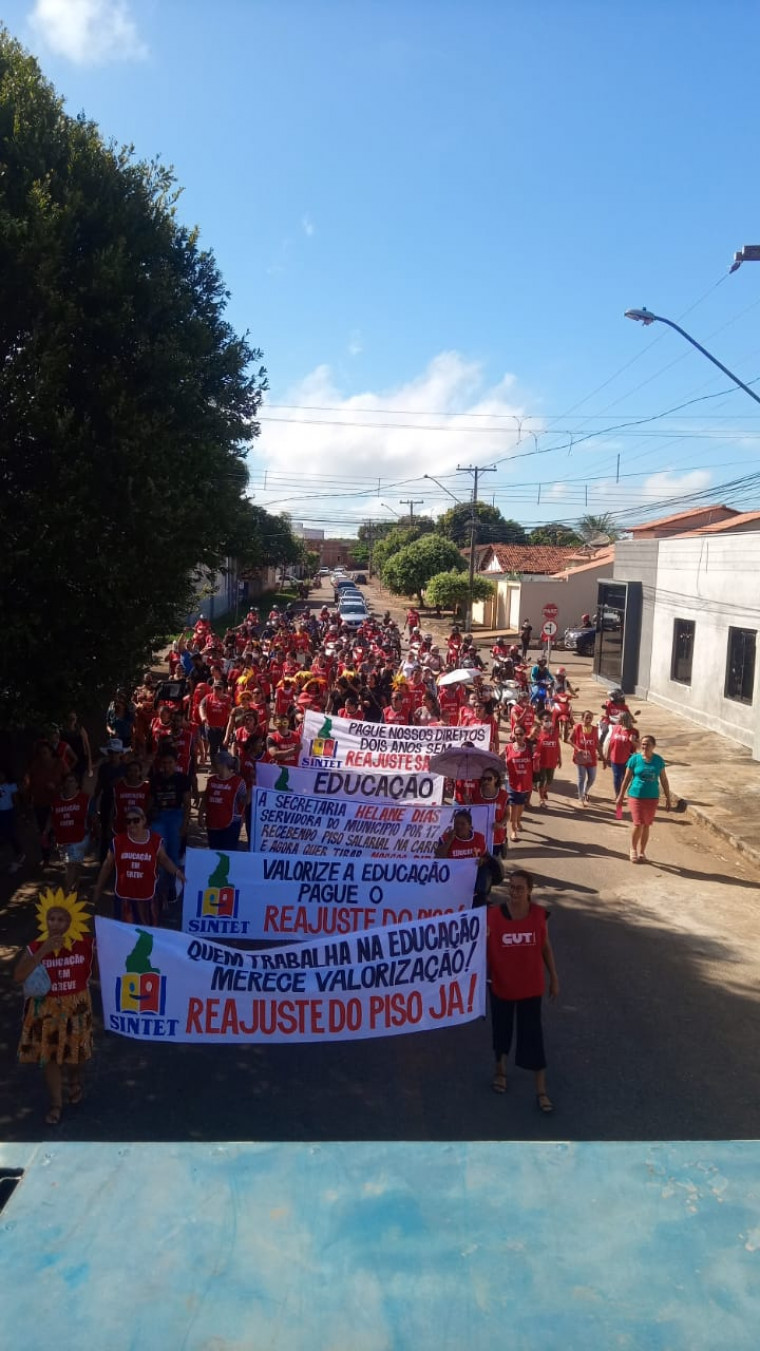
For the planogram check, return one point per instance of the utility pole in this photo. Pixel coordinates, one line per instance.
(476, 471)
(369, 526)
(411, 503)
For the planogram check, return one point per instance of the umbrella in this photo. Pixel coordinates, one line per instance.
(464, 762)
(463, 676)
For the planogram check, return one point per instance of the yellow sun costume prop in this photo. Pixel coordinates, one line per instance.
(79, 922)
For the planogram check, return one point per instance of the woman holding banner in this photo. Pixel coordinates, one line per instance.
(461, 841)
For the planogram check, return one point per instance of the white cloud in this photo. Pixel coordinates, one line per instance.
(669, 484)
(88, 32)
(307, 225)
(355, 345)
(390, 435)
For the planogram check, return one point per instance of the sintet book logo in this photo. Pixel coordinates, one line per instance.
(142, 988)
(218, 898)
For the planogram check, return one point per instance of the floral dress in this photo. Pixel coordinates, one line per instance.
(58, 1026)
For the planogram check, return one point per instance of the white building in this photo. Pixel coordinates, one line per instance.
(700, 618)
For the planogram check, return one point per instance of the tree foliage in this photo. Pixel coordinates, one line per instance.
(591, 528)
(127, 404)
(451, 590)
(556, 533)
(492, 528)
(407, 572)
(397, 538)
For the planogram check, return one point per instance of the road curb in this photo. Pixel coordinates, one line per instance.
(742, 846)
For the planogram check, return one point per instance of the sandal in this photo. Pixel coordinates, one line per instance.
(544, 1103)
(499, 1082)
(76, 1093)
(633, 857)
(53, 1115)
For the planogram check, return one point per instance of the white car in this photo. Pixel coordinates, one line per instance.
(353, 613)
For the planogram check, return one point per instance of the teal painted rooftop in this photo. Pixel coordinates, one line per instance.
(382, 1247)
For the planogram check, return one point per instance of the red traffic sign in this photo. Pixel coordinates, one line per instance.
(549, 629)
(550, 610)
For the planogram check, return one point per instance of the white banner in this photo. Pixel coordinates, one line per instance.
(162, 986)
(284, 823)
(331, 742)
(346, 783)
(263, 896)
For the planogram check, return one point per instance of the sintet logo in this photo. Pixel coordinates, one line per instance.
(218, 898)
(323, 745)
(142, 989)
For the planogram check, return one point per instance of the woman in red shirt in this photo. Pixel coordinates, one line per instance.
(135, 858)
(518, 954)
(488, 792)
(70, 813)
(584, 740)
(519, 758)
(57, 1027)
(223, 804)
(621, 742)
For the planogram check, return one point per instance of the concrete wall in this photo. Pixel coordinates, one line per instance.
(712, 581)
(636, 561)
(573, 593)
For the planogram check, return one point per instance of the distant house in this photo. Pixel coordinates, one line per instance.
(698, 518)
(529, 576)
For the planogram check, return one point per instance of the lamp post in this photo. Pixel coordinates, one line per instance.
(458, 500)
(645, 316)
(390, 509)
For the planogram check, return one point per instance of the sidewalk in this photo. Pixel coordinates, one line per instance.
(718, 778)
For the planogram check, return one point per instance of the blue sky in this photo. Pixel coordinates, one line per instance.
(431, 217)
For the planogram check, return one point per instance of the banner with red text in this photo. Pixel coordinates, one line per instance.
(163, 986)
(239, 895)
(330, 742)
(286, 823)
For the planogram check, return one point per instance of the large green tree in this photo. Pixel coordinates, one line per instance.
(451, 590)
(407, 572)
(127, 404)
(491, 526)
(398, 538)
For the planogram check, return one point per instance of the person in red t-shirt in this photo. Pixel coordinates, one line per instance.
(70, 816)
(214, 713)
(131, 791)
(621, 742)
(395, 713)
(135, 858)
(547, 757)
(585, 743)
(282, 744)
(461, 841)
(489, 792)
(522, 713)
(223, 804)
(450, 701)
(519, 954)
(519, 759)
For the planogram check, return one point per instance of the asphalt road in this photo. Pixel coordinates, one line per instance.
(654, 1035)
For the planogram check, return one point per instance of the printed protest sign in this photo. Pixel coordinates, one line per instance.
(347, 783)
(285, 823)
(263, 896)
(330, 743)
(163, 986)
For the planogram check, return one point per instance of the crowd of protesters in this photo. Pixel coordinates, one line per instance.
(230, 702)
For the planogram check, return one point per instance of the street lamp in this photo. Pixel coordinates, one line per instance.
(645, 316)
(748, 253)
(458, 500)
(387, 508)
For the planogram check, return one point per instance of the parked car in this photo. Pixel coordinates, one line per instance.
(360, 579)
(581, 640)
